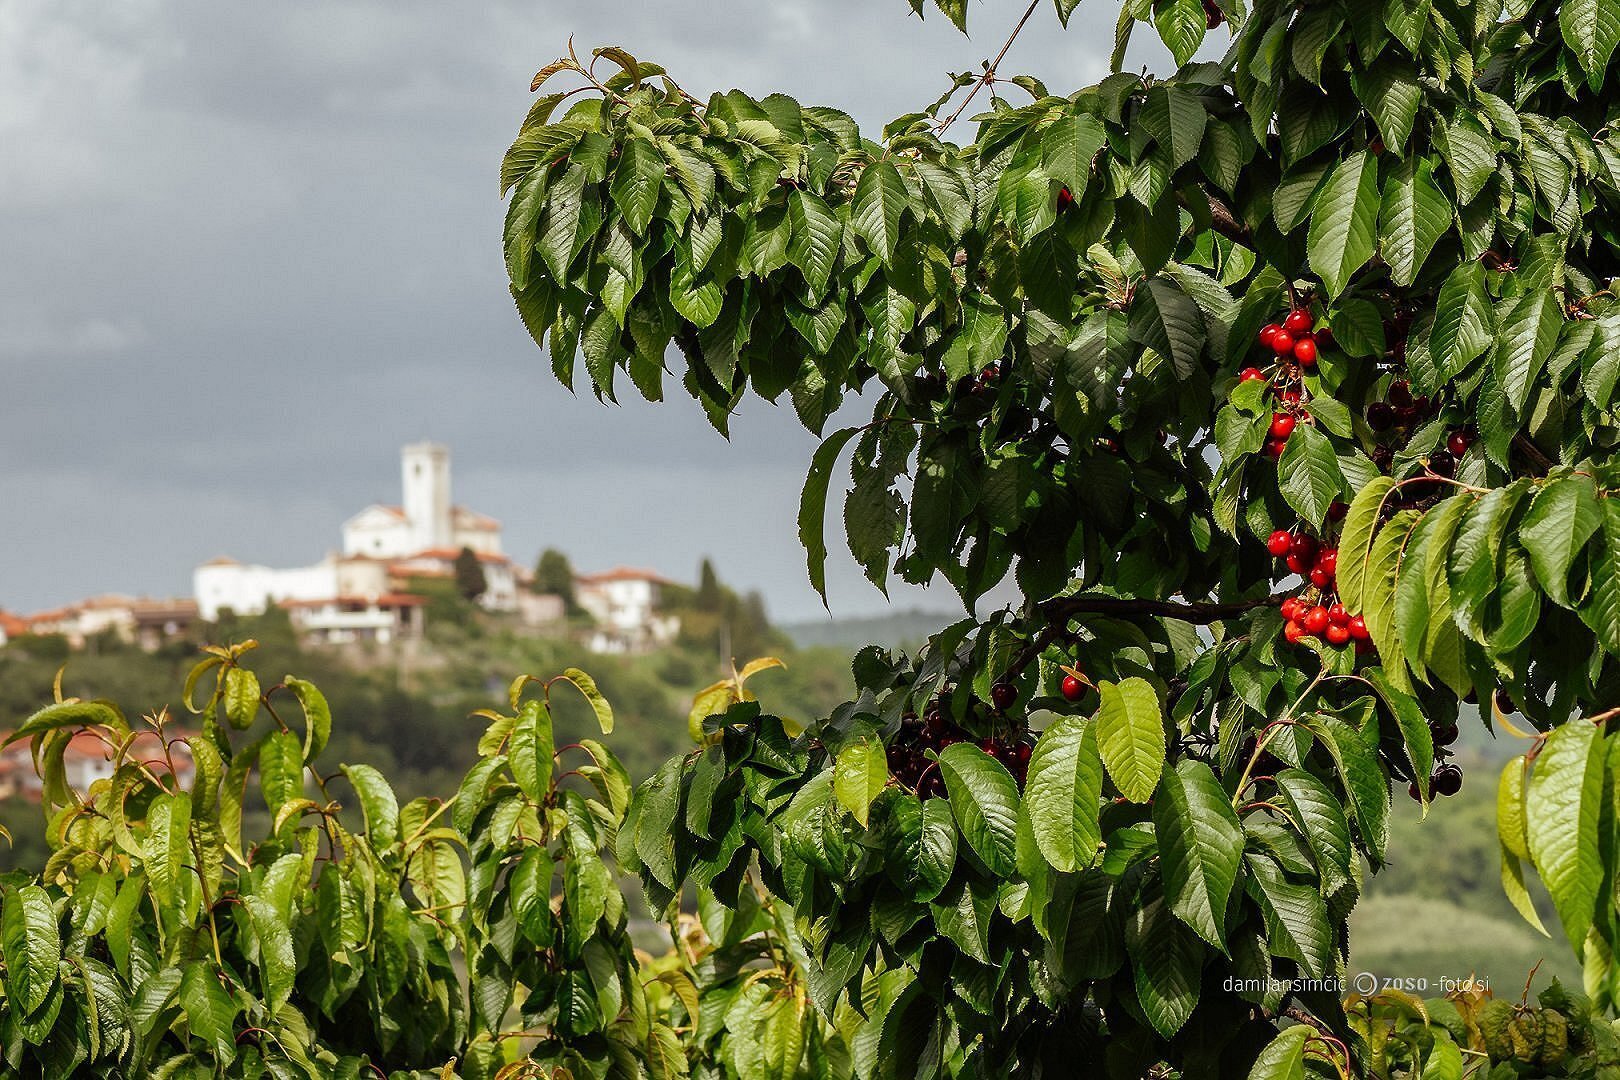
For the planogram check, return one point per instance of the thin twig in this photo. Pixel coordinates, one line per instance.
(989, 72)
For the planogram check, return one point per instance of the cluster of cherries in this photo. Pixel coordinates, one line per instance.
(1295, 342)
(1316, 613)
(1447, 777)
(910, 764)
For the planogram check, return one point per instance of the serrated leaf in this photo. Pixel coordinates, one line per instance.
(1309, 474)
(637, 180)
(1200, 847)
(30, 944)
(1561, 519)
(1344, 222)
(1528, 335)
(1063, 792)
(880, 200)
(1413, 217)
(813, 507)
(1166, 967)
(984, 800)
(1562, 804)
(859, 773)
(1130, 736)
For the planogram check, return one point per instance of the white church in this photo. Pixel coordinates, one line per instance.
(356, 595)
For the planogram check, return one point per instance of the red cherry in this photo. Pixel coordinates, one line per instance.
(1305, 547)
(1337, 616)
(1296, 565)
(1299, 320)
(1329, 560)
(1358, 628)
(1003, 695)
(1280, 542)
(1293, 632)
(1274, 448)
(1365, 648)
(1290, 608)
(1316, 619)
(1022, 751)
(1064, 200)
(1337, 635)
(1458, 442)
(1073, 688)
(1250, 374)
(989, 746)
(1267, 332)
(1337, 510)
(1320, 577)
(1282, 425)
(1289, 397)
(1305, 352)
(1282, 343)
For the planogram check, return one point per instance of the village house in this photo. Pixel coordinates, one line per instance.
(625, 604)
(361, 594)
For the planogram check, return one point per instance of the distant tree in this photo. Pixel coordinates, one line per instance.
(709, 594)
(470, 580)
(554, 575)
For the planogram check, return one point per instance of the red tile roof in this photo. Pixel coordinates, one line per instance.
(622, 573)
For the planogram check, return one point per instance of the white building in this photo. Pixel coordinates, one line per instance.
(382, 546)
(427, 521)
(624, 602)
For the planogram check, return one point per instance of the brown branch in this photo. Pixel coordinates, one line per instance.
(990, 71)
(1529, 449)
(1223, 219)
(1196, 611)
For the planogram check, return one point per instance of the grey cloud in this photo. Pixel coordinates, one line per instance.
(251, 249)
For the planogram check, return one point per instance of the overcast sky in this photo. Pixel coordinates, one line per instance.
(251, 249)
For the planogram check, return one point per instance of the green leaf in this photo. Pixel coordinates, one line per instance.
(1063, 793)
(963, 913)
(31, 945)
(1166, 967)
(1562, 805)
(1200, 847)
(1321, 819)
(1344, 222)
(1176, 118)
(880, 200)
(317, 716)
(1415, 214)
(1528, 336)
(1601, 611)
(813, 507)
(1463, 320)
(1309, 474)
(636, 183)
(817, 235)
(586, 685)
(521, 217)
(1284, 1057)
(1296, 918)
(1355, 541)
(1413, 726)
(1167, 320)
(1591, 29)
(1130, 734)
(919, 845)
(281, 770)
(1363, 778)
(278, 964)
(1561, 519)
(1470, 155)
(241, 698)
(210, 1009)
(1181, 25)
(531, 750)
(69, 714)
(859, 773)
(378, 801)
(984, 799)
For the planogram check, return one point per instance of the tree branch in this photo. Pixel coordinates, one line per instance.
(1529, 449)
(1224, 220)
(990, 69)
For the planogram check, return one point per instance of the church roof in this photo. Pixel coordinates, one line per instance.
(622, 573)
